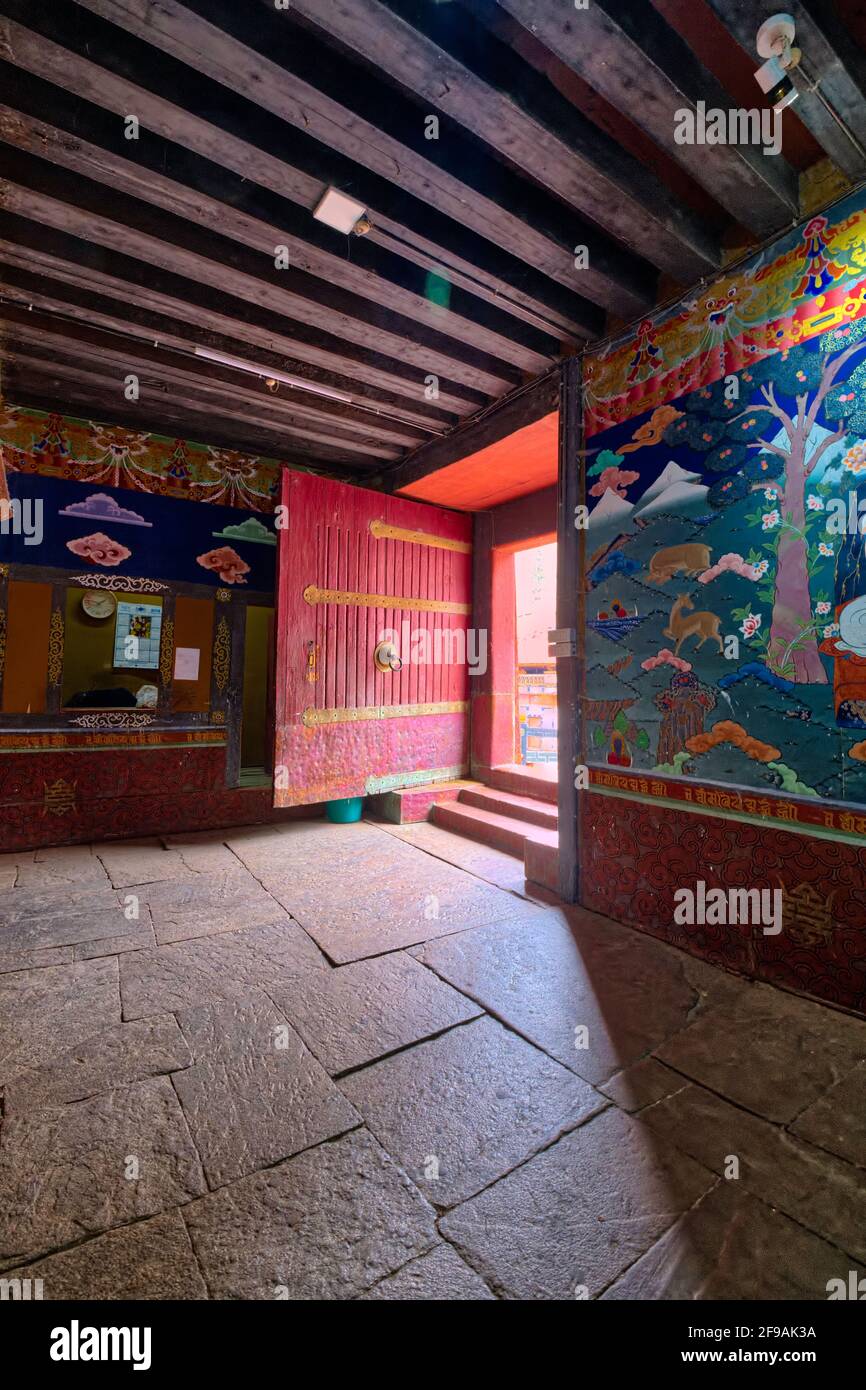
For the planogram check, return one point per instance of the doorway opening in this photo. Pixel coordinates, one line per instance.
(535, 677)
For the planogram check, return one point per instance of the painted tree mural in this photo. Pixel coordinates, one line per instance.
(777, 440)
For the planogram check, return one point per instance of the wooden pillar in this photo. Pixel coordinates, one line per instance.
(570, 615)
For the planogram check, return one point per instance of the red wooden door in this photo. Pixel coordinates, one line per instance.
(356, 567)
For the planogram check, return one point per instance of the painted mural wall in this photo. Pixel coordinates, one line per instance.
(725, 574)
(62, 446)
(726, 623)
(129, 508)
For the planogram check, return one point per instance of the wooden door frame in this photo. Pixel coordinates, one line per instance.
(494, 732)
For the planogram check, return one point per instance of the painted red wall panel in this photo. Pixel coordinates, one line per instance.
(633, 857)
(121, 793)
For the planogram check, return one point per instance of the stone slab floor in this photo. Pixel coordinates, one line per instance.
(355, 1062)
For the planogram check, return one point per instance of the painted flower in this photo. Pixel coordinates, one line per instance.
(227, 563)
(855, 459)
(761, 567)
(771, 494)
(824, 549)
(770, 519)
(832, 630)
(99, 549)
(822, 608)
(815, 504)
(750, 624)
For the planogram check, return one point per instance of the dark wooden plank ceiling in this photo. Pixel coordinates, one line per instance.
(556, 131)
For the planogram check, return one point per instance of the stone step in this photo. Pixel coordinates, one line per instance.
(541, 864)
(521, 782)
(501, 832)
(525, 808)
(406, 805)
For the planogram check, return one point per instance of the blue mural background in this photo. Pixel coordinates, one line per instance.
(164, 535)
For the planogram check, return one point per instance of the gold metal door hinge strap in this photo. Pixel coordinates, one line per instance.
(314, 717)
(383, 530)
(313, 594)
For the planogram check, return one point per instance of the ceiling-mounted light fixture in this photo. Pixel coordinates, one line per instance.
(269, 374)
(775, 37)
(339, 211)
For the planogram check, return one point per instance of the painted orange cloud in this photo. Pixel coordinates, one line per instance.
(726, 731)
(652, 430)
(617, 479)
(858, 751)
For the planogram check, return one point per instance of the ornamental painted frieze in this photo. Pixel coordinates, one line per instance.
(62, 446)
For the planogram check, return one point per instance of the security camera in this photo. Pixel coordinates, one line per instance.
(776, 85)
(775, 38)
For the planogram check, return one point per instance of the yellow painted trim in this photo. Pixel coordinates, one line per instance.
(383, 530)
(313, 594)
(312, 718)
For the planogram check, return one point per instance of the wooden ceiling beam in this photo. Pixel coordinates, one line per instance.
(91, 268)
(134, 355)
(465, 72)
(459, 315)
(64, 303)
(68, 388)
(627, 53)
(387, 140)
(521, 254)
(157, 239)
(384, 266)
(42, 351)
(69, 261)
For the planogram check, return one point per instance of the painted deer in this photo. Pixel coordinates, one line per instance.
(691, 558)
(701, 624)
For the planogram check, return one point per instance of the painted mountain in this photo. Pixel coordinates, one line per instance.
(674, 492)
(610, 511)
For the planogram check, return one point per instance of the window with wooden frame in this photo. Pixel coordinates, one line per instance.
(131, 654)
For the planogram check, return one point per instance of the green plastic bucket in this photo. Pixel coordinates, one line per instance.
(345, 810)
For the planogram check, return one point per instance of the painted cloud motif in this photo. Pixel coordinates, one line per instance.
(99, 506)
(665, 658)
(226, 562)
(616, 479)
(733, 562)
(99, 549)
(249, 530)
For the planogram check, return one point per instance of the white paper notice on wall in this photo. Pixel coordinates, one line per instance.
(186, 663)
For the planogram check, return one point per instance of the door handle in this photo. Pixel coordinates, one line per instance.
(386, 658)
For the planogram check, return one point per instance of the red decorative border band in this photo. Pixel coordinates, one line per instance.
(27, 741)
(806, 815)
